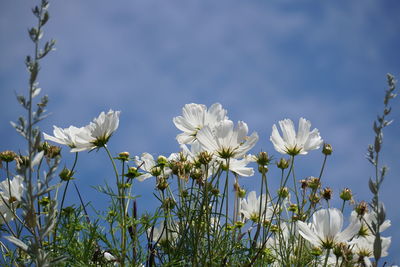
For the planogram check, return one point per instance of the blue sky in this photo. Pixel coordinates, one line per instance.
(262, 60)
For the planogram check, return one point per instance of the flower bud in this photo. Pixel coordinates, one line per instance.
(304, 184)
(132, 173)
(196, 174)
(313, 182)
(44, 201)
(205, 157)
(346, 194)
(263, 159)
(262, 169)
(7, 155)
(314, 198)
(215, 191)
(361, 208)
(123, 156)
(327, 193)
(162, 161)
(274, 228)
(239, 224)
(66, 174)
(283, 192)
(316, 251)
(156, 171)
(283, 164)
(242, 193)
(52, 152)
(293, 208)
(162, 184)
(327, 149)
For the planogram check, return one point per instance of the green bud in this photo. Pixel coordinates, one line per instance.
(162, 161)
(242, 193)
(327, 149)
(346, 194)
(263, 159)
(283, 192)
(123, 156)
(316, 251)
(44, 201)
(239, 224)
(262, 169)
(283, 164)
(66, 174)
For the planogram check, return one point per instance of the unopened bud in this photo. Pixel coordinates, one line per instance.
(262, 169)
(293, 208)
(283, 192)
(162, 184)
(242, 193)
(162, 161)
(327, 149)
(66, 174)
(239, 224)
(263, 159)
(283, 164)
(314, 198)
(44, 201)
(346, 194)
(123, 156)
(7, 155)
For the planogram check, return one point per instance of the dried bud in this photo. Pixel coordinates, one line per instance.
(7, 155)
(283, 192)
(313, 182)
(123, 156)
(346, 194)
(327, 149)
(66, 174)
(263, 159)
(283, 164)
(314, 198)
(327, 193)
(52, 152)
(304, 184)
(361, 208)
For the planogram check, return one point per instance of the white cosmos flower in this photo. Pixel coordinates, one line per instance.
(325, 229)
(98, 132)
(250, 207)
(11, 192)
(69, 136)
(225, 141)
(239, 166)
(195, 117)
(292, 143)
(366, 222)
(364, 246)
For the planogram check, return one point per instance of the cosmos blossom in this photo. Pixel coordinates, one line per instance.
(291, 143)
(194, 118)
(11, 192)
(326, 228)
(250, 207)
(68, 136)
(227, 141)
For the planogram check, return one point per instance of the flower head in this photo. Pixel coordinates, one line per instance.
(250, 207)
(69, 136)
(325, 229)
(292, 143)
(194, 118)
(98, 132)
(227, 141)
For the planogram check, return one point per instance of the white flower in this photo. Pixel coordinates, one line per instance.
(367, 220)
(69, 136)
(151, 167)
(159, 234)
(195, 117)
(364, 246)
(11, 192)
(325, 229)
(250, 207)
(98, 132)
(225, 141)
(292, 143)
